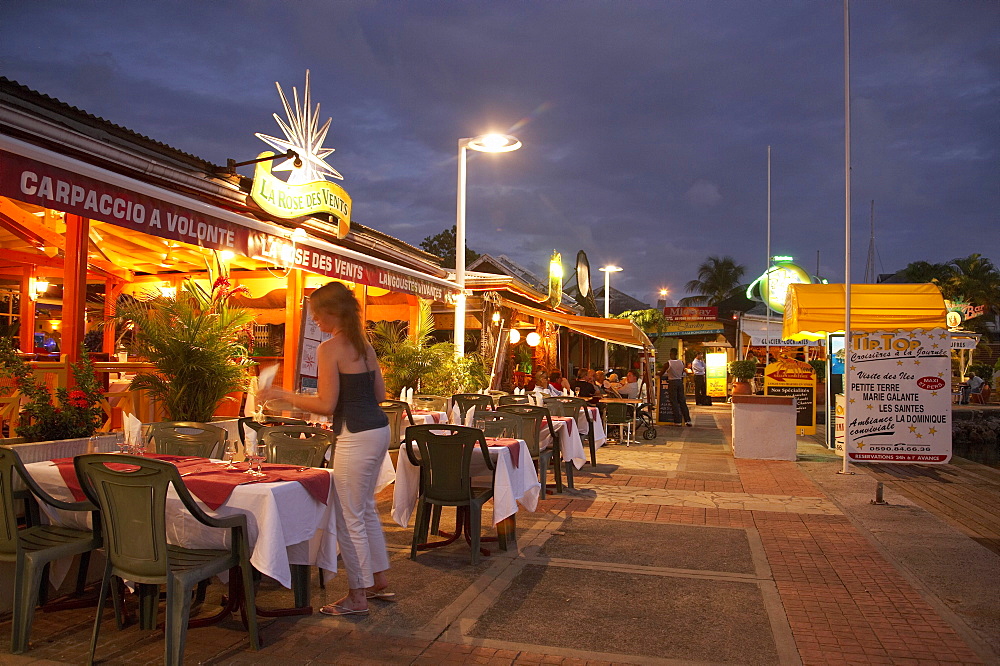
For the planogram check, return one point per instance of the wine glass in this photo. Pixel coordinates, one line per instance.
(228, 455)
(120, 441)
(260, 456)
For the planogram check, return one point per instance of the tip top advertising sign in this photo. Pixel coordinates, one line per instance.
(899, 398)
(307, 190)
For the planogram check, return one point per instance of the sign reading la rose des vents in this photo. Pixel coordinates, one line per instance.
(900, 396)
(307, 190)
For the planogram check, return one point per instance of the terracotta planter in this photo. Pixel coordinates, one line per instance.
(742, 388)
(230, 407)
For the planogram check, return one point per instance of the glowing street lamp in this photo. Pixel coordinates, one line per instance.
(485, 143)
(608, 270)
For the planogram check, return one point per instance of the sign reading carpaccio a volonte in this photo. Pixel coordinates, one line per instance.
(42, 184)
(691, 314)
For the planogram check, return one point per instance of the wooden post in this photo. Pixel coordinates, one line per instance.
(75, 285)
(27, 331)
(112, 290)
(294, 293)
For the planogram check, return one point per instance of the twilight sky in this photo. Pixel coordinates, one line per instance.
(645, 124)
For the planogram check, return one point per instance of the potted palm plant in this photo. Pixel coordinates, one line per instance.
(196, 341)
(743, 371)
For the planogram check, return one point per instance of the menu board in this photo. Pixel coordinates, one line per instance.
(716, 374)
(311, 337)
(899, 401)
(664, 410)
(789, 377)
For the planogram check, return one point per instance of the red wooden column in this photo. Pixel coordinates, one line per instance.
(112, 290)
(75, 285)
(294, 293)
(27, 331)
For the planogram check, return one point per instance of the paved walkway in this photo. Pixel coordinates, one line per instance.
(666, 553)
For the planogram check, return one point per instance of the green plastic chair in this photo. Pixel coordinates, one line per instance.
(467, 401)
(535, 419)
(514, 400)
(34, 547)
(499, 424)
(619, 415)
(305, 446)
(445, 456)
(432, 403)
(187, 438)
(247, 422)
(133, 503)
(565, 405)
(396, 410)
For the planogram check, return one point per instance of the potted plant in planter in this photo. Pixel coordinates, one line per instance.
(196, 341)
(743, 371)
(73, 413)
(819, 367)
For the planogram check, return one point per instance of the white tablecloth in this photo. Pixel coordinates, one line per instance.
(285, 524)
(600, 437)
(570, 441)
(512, 485)
(424, 417)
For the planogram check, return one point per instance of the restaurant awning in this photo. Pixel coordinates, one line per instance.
(814, 310)
(618, 331)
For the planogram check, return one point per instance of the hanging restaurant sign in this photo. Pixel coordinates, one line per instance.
(307, 190)
(167, 216)
(772, 286)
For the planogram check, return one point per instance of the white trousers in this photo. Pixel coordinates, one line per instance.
(357, 459)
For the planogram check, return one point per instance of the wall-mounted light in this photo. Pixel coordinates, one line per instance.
(515, 336)
(496, 317)
(55, 324)
(41, 286)
(533, 339)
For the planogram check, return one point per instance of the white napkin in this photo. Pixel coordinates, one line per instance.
(402, 393)
(470, 416)
(456, 415)
(266, 377)
(133, 430)
(409, 396)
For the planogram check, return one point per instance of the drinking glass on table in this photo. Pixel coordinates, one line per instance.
(229, 455)
(260, 455)
(120, 441)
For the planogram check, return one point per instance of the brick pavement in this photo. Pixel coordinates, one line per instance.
(842, 600)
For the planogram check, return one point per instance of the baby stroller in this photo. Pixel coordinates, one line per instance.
(644, 420)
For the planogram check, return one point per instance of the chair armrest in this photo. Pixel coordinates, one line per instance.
(484, 447)
(199, 514)
(37, 491)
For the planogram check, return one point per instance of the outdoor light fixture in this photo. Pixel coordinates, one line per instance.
(288, 155)
(515, 336)
(41, 286)
(485, 143)
(496, 317)
(168, 291)
(608, 270)
(663, 293)
(226, 255)
(533, 339)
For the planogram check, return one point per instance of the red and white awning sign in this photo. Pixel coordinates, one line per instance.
(57, 183)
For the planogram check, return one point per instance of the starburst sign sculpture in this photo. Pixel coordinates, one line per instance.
(307, 189)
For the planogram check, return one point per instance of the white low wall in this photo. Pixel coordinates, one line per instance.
(763, 427)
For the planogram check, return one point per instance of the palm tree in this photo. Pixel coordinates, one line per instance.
(718, 279)
(974, 279)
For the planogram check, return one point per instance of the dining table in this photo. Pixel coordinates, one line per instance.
(515, 481)
(570, 440)
(291, 521)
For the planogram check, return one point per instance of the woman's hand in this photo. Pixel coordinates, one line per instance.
(271, 393)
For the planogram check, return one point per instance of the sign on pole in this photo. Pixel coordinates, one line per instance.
(716, 374)
(796, 379)
(900, 396)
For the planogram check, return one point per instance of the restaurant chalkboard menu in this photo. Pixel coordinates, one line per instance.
(311, 337)
(664, 412)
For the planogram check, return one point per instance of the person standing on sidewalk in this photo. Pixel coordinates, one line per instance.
(700, 382)
(678, 401)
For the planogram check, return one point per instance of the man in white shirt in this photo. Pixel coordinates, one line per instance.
(678, 401)
(700, 382)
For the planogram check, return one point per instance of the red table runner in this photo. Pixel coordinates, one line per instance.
(211, 482)
(435, 415)
(512, 445)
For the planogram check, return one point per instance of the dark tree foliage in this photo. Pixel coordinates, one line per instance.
(443, 245)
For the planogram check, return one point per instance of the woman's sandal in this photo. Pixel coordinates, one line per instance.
(336, 609)
(381, 595)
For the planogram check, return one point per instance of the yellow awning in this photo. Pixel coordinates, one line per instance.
(814, 310)
(618, 331)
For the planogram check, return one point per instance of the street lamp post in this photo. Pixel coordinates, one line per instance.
(485, 143)
(608, 270)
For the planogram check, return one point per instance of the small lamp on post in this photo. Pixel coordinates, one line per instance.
(608, 270)
(485, 143)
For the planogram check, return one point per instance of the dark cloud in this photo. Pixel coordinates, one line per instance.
(645, 124)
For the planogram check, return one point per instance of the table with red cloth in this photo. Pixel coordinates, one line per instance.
(290, 514)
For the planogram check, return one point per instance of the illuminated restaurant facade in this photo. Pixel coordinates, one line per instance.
(100, 211)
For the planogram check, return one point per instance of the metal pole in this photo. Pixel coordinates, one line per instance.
(767, 264)
(460, 253)
(607, 311)
(848, 343)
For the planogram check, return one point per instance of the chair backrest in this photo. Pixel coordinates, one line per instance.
(467, 401)
(305, 446)
(8, 515)
(514, 400)
(497, 394)
(187, 438)
(564, 405)
(617, 413)
(248, 422)
(396, 411)
(533, 419)
(445, 455)
(132, 500)
(433, 403)
(499, 424)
